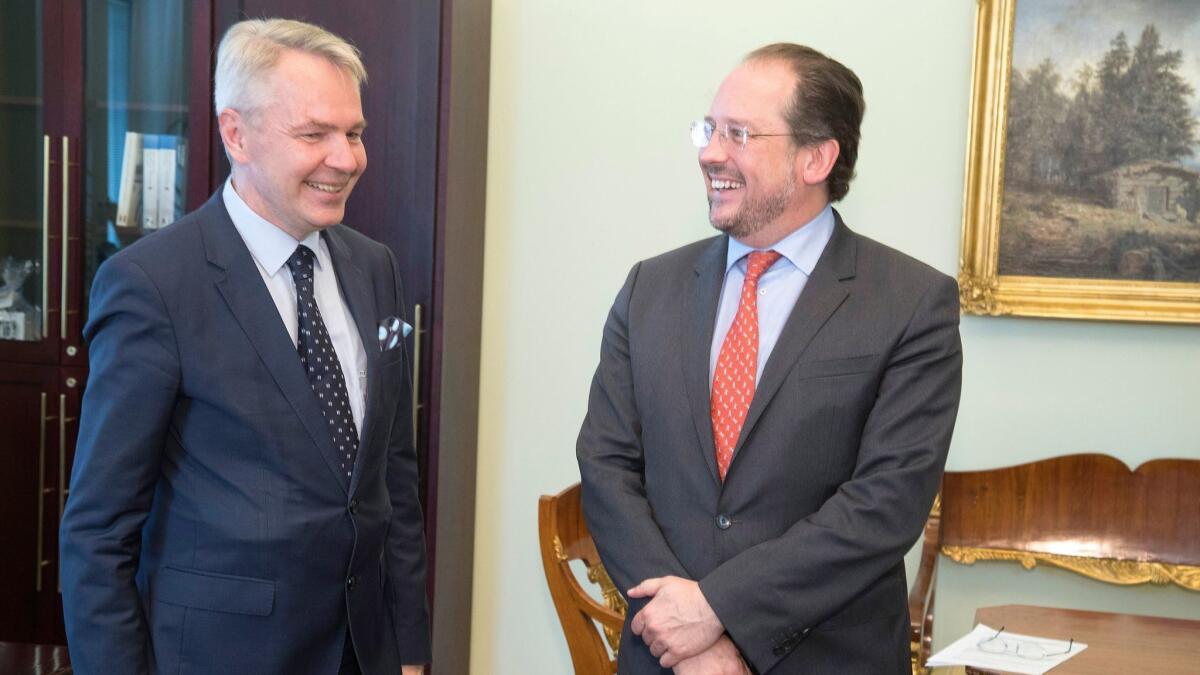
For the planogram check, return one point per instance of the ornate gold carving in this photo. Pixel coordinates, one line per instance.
(936, 511)
(1109, 570)
(612, 599)
(914, 651)
(559, 552)
(978, 296)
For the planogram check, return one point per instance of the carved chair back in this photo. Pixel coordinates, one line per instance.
(1087, 513)
(564, 538)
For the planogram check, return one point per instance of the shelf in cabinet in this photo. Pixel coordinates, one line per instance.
(23, 101)
(20, 224)
(141, 106)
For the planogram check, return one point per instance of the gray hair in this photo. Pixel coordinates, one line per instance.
(251, 48)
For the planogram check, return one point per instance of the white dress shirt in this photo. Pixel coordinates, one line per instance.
(271, 247)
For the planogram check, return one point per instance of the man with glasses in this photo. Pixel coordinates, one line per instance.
(773, 406)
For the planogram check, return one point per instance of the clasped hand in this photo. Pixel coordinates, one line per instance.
(678, 622)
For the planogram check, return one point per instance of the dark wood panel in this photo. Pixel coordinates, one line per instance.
(67, 199)
(1080, 505)
(202, 122)
(423, 195)
(28, 502)
(394, 201)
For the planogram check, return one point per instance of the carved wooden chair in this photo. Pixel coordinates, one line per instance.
(564, 537)
(1089, 514)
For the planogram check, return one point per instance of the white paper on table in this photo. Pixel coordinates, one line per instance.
(966, 652)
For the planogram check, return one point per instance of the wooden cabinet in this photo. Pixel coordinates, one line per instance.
(79, 76)
(76, 77)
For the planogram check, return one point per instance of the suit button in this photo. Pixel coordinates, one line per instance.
(350, 582)
(353, 506)
(723, 522)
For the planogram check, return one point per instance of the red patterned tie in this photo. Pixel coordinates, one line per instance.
(737, 364)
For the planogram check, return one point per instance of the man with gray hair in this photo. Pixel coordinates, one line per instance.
(244, 496)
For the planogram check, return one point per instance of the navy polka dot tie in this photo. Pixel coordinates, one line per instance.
(321, 361)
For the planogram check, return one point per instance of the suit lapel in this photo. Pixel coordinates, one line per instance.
(240, 284)
(355, 290)
(822, 295)
(699, 315)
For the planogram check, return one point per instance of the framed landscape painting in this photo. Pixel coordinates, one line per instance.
(1083, 169)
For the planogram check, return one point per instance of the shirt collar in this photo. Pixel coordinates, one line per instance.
(270, 246)
(802, 247)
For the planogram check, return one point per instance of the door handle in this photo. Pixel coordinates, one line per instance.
(62, 463)
(45, 238)
(41, 495)
(66, 224)
(416, 377)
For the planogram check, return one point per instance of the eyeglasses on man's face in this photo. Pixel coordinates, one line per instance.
(1025, 649)
(737, 136)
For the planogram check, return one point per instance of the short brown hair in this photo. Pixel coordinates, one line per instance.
(828, 103)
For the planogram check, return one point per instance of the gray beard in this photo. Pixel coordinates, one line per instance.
(755, 214)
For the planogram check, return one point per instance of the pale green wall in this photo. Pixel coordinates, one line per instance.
(590, 170)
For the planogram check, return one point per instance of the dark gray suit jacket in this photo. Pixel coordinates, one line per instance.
(209, 527)
(800, 551)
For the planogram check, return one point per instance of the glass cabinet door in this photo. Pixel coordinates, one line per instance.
(136, 87)
(24, 163)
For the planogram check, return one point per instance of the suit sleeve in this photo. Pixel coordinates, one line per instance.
(126, 412)
(770, 595)
(406, 538)
(612, 466)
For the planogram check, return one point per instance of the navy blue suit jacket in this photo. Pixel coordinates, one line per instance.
(208, 528)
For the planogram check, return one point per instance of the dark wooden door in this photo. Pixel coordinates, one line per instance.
(29, 398)
(30, 154)
(395, 200)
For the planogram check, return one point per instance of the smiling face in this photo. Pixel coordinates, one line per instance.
(755, 191)
(297, 157)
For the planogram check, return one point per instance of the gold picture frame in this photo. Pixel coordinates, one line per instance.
(983, 290)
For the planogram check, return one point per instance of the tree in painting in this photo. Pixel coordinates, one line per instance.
(1095, 186)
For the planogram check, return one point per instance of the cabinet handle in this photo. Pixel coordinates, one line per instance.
(45, 238)
(66, 221)
(41, 495)
(416, 378)
(62, 463)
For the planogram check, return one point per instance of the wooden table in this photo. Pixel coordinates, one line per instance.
(1116, 643)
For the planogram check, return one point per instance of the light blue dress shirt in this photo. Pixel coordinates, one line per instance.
(778, 288)
(270, 247)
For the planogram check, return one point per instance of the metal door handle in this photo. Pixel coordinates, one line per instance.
(62, 464)
(45, 238)
(41, 494)
(66, 222)
(416, 377)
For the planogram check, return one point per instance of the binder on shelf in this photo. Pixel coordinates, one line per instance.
(168, 148)
(130, 193)
(150, 181)
(180, 192)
